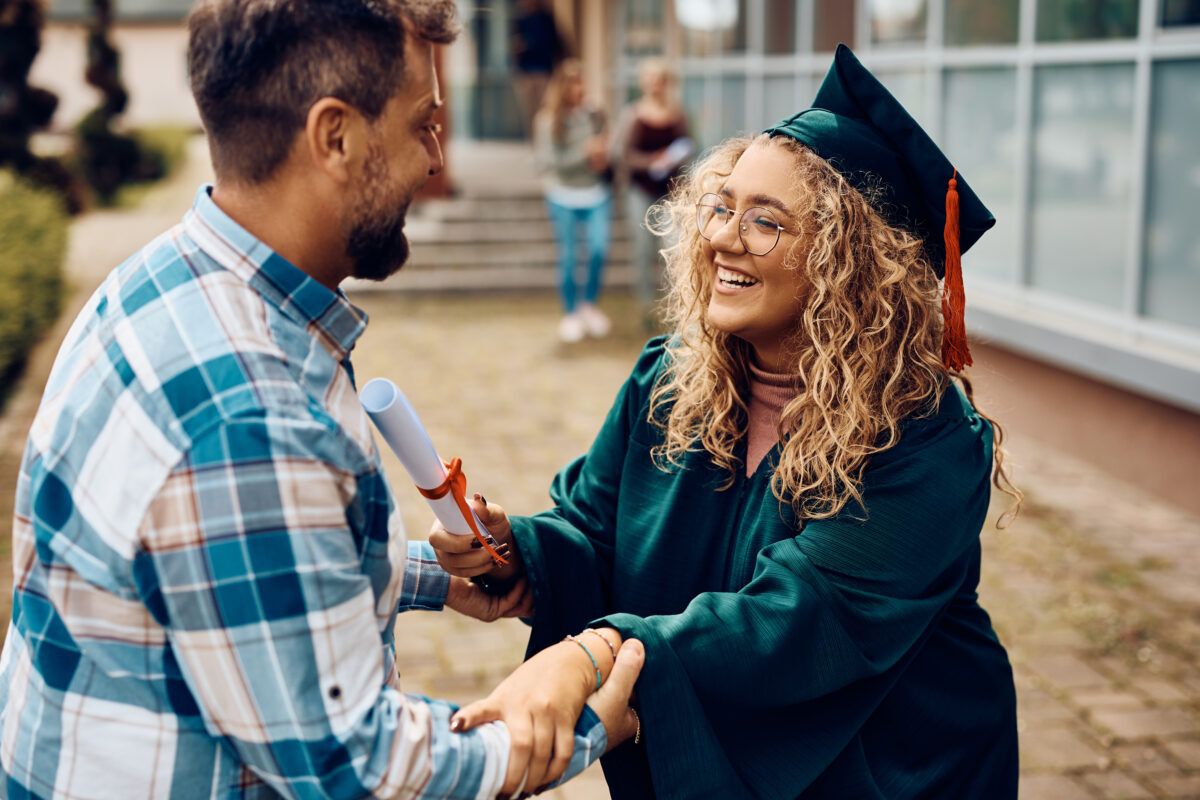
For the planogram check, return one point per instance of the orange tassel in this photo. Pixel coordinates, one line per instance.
(955, 353)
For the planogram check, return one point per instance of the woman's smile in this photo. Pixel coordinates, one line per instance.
(733, 281)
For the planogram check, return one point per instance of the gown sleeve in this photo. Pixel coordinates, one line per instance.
(781, 675)
(756, 690)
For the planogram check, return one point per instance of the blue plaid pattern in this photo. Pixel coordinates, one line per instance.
(206, 561)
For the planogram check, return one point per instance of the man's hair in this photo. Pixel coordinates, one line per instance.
(257, 66)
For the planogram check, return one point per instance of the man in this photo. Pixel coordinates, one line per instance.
(207, 563)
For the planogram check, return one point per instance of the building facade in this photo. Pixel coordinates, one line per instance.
(1077, 121)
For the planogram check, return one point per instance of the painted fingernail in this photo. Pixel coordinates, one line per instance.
(475, 543)
(456, 724)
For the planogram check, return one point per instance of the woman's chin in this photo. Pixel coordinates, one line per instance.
(723, 318)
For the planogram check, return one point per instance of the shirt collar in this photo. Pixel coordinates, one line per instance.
(326, 314)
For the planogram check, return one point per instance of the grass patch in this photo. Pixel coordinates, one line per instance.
(1118, 576)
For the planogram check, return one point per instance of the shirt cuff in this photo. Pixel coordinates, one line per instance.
(425, 582)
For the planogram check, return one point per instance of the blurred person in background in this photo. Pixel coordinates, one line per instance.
(570, 145)
(536, 49)
(650, 149)
(207, 556)
(786, 500)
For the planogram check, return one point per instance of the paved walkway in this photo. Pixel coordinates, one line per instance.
(1095, 590)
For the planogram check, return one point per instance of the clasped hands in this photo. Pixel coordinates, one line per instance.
(541, 700)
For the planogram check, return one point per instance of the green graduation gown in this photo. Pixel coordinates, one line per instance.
(841, 659)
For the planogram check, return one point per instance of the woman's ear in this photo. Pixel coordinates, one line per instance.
(335, 135)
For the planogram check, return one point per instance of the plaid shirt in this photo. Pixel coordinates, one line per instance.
(206, 561)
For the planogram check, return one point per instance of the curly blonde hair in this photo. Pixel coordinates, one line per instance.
(865, 353)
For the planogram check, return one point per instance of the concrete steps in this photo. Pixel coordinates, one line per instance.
(494, 233)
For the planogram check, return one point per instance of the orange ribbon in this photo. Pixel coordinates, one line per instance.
(456, 485)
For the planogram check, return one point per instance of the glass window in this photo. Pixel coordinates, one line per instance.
(1070, 20)
(643, 24)
(1173, 195)
(712, 27)
(733, 106)
(1180, 12)
(833, 22)
(981, 21)
(897, 21)
(909, 87)
(980, 140)
(703, 115)
(783, 96)
(779, 20)
(1082, 163)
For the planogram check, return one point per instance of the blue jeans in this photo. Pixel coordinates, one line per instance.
(597, 222)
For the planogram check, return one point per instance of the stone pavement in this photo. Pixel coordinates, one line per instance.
(1095, 590)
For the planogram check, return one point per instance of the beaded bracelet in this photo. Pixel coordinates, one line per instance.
(604, 639)
(591, 658)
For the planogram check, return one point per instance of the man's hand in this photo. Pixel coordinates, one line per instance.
(468, 599)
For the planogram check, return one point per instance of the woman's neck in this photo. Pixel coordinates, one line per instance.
(657, 109)
(770, 358)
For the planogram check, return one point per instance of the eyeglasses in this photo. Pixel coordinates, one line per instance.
(758, 229)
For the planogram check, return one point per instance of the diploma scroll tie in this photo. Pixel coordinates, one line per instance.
(456, 485)
(401, 428)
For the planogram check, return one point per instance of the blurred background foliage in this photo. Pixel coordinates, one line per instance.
(33, 239)
(101, 165)
(101, 159)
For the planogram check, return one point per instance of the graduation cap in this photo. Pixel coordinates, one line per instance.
(866, 135)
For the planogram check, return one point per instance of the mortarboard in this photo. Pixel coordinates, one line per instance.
(866, 135)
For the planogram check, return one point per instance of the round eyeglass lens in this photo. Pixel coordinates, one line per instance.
(758, 228)
(711, 214)
(759, 231)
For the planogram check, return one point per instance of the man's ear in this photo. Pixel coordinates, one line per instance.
(335, 137)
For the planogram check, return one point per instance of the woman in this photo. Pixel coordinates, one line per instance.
(784, 504)
(651, 149)
(570, 146)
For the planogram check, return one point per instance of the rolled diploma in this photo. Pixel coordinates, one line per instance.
(401, 428)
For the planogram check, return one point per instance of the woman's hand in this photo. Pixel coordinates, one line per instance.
(541, 700)
(611, 703)
(463, 557)
(596, 152)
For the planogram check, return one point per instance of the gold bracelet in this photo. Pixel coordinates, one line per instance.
(637, 735)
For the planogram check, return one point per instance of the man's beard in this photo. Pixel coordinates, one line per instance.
(375, 243)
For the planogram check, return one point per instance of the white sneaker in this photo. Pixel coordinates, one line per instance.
(572, 328)
(595, 322)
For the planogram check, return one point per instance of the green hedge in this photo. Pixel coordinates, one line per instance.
(33, 243)
(163, 149)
